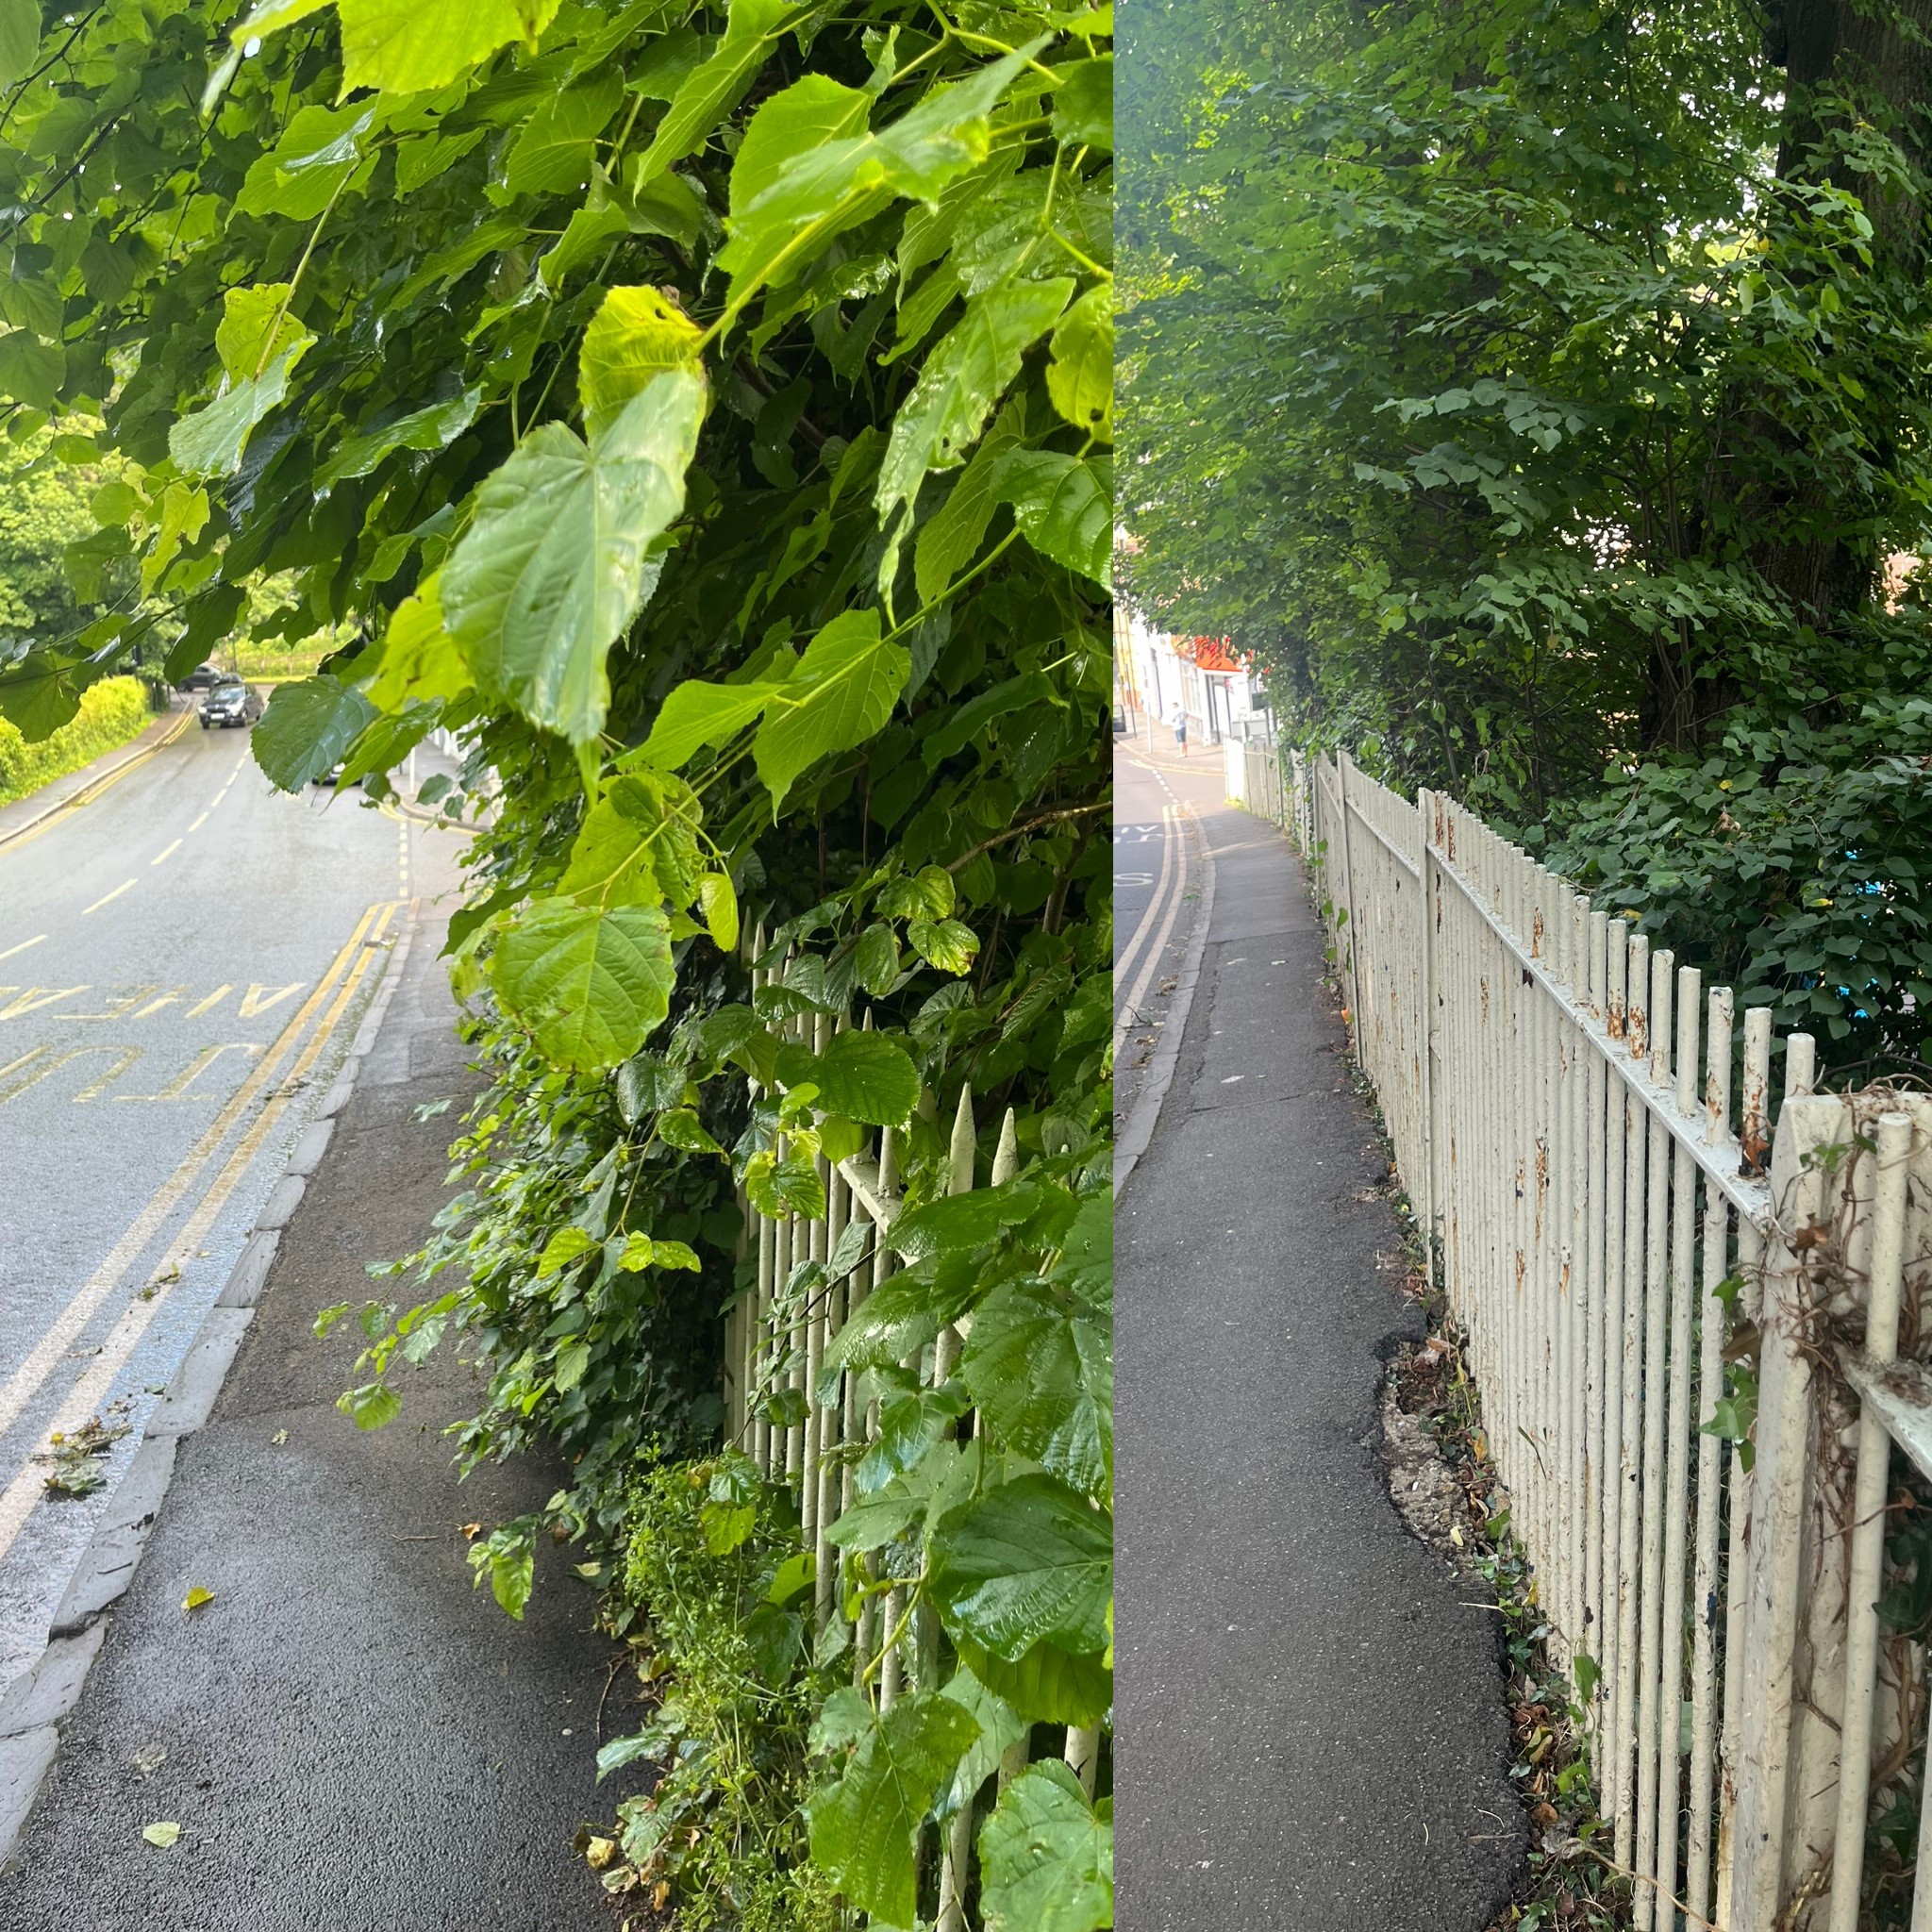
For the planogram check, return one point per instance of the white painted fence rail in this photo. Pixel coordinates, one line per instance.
(776, 1341)
(1620, 1247)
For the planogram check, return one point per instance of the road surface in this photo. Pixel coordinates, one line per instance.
(183, 961)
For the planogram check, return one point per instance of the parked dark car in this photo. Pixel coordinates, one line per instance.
(229, 702)
(203, 676)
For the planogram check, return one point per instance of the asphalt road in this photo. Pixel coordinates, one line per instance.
(1310, 1732)
(183, 961)
(1157, 877)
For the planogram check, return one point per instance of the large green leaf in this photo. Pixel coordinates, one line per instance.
(949, 540)
(319, 150)
(696, 715)
(963, 378)
(209, 442)
(709, 92)
(1045, 1859)
(1029, 1562)
(20, 38)
(409, 46)
(1000, 1728)
(1048, 1685)
(1083, 104)
(1040, 1366)
(30, 369)
(865, 1828)
(842, 692)
(1079, 378)
(636, 336)
(589, 983)
(552, 153)
(864, 1076)
(557, 562)
(1065, 506)
(809, 170)
(434, 426)
(308, 727)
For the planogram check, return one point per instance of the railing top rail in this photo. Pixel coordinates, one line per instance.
(1722, 1160)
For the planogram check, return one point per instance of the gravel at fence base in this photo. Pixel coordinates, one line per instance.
(349, 1736)
(1311, 1730)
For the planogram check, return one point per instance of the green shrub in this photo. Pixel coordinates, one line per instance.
(110, 713)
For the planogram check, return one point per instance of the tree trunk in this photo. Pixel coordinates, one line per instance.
(1833, 53)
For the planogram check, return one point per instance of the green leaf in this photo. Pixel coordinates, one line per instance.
(865, 1828)
(30, 369)
(875, 960)
(866, 1076)
(1083, 104)
(1079, 378)
(948, 943)
(1045, 1860)
(209, 442)
(696, 714)
(1064, 504)
(433, 427)
(556, 565)
(718, 899)
(962, 378)
(307, 729)
(679, 1128)
(1029, 1562)
(841, 692)
(1047, 1685)
(552, 151)
(300, 177)
(1038, 1365)
(412, 46)
(420, 660)
(790, 1186)
(372, 1407)
(1000, 1728)
(634, 337)
(256, 327)
(949, 540)
(957, 1223)
(590, 984)
(708, 93)
(19, 39)
(566, 1245)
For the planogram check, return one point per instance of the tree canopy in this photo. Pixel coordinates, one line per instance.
(708, 413)
(1540, 387)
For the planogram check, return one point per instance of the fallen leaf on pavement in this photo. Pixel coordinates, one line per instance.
(600, 1852)
(279, 1437)
(196, 1597)
(162, 1835)
(471, 1530)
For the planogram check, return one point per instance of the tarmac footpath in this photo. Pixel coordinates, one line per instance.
(350, 1737)
(1310, 1731)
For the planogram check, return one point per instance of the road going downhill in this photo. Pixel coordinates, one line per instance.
(183, 960)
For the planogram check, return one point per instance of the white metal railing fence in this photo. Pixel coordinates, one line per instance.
(1614, 1237)
(776, 1342)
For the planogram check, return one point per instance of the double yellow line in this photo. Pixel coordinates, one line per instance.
(345, 974)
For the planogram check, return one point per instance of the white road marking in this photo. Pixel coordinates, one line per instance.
(167, 853)
(199, 823)
(104, 897)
